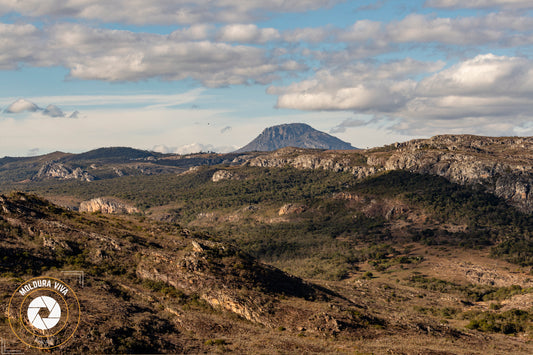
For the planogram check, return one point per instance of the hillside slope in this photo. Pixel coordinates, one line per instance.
(152, 287)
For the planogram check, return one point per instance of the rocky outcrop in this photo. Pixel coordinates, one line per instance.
(302, 159)
(502, 165)
(106, 205)
(225, 175)
(226, 279)
(291, 208)
(61, 172)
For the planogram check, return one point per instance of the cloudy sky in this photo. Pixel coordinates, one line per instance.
(189, 75)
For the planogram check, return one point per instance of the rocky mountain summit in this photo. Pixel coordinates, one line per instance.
(298, 135)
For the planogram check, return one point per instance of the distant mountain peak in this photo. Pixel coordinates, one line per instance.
(299, 135)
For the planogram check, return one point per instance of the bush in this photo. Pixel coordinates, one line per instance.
(509, 322)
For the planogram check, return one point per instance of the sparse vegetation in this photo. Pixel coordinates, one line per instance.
(509, 322)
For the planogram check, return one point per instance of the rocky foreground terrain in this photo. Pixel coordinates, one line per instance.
(157, 288)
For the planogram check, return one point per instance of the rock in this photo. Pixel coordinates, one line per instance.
(54, 243)
(106, 205)
(224, 175)
(197, 247)
(118, 172)
(60, 171)
(290, 208)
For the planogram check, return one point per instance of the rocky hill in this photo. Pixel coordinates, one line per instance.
(298, 135)
(502, 165)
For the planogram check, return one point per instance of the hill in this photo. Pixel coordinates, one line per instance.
(298, 135)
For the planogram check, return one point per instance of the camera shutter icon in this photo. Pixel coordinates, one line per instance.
(53, 308)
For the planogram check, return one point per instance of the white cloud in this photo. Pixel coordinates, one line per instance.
(499, 28)
(484, 75)
(112, 55)
(486, 94)
(247, 33)
(20, 43)
(380, 121)
(22, 105)
(214, 57)
(195, 32)
(53, 111)
(141, 12)
(480, 4)
(151, 101)
(421, 28)
(192, 148)
(75, 114)
(309, 34)
(362, 30)
(360, 87)
(27, 105)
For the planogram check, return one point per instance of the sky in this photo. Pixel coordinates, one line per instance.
(181, 76)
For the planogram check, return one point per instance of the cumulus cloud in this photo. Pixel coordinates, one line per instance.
(25, 105)
(53, 111)
(11, 50)
(247, 33)
(22, 105)
(220, 57)
(484, 75)
(310, 34)
(480, 4)
(225, 129)
(358, 122)
(192, 148)
(75, 114)
(361, 87)
(112, 55)
(32, 152)
(141, 12)
(487, 93)
(497, 28)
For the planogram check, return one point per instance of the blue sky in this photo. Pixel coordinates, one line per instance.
(183, 76)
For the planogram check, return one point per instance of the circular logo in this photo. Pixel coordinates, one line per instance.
(44, 312)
